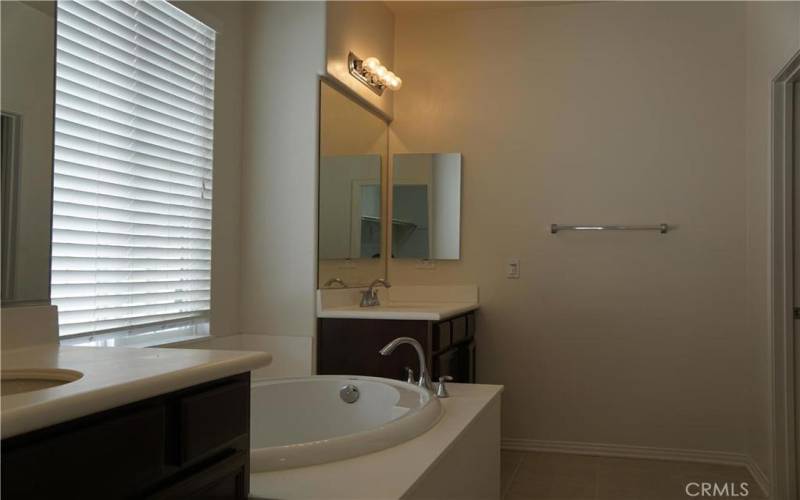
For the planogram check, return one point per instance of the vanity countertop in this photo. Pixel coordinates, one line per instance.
(401, 310)
(405, 302)
(112, 377)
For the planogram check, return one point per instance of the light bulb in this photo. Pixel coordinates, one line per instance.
(396, 83)
(381, 72)
(388, 78)
(371, 64)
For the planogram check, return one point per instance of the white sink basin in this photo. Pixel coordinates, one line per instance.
(28, 380)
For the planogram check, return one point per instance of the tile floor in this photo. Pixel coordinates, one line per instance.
(534, 475)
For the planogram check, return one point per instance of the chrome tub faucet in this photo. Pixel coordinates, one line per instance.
(424, 377)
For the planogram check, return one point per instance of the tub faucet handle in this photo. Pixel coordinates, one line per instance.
(409, 375)
(441, 389)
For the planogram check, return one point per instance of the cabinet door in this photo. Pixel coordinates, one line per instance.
(447, 364)
(111, 458)
(458, 362)
(467, 363)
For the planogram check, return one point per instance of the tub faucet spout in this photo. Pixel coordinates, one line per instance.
(424, 377)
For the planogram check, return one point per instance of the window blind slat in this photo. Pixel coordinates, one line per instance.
(62, 263)
(133, 158)
(132, 277)
(99, 303)
(106, 226)
(130, 240)
(117, 289)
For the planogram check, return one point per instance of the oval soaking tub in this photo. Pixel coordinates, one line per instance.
(305, 421)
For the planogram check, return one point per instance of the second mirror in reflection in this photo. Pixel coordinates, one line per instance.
(426, 206)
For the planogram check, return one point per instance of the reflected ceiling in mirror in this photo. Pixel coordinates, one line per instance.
(426, 206)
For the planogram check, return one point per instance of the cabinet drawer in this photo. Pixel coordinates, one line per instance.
(212, 419)
(112, 458)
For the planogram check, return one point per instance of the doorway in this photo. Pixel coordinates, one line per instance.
(785, 275)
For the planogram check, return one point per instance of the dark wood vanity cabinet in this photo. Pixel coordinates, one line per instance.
(192, 443)
(350, 347)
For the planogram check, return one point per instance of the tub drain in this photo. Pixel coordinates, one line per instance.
(349, 393)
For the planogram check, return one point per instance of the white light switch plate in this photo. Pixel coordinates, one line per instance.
(512, 269)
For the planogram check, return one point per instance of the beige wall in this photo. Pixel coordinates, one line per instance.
(594, 113)
(227, 19)
(284, 54)
(27, 90)
(773, 37)
(367, 29)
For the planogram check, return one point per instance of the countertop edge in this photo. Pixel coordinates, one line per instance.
(17, 421)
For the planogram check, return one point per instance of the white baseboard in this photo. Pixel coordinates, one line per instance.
(646, 452)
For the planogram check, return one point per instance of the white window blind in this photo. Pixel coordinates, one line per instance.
(132, 165)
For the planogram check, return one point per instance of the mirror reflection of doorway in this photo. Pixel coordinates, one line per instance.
(410, 221)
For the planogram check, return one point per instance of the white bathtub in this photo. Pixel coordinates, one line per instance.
(304, 421)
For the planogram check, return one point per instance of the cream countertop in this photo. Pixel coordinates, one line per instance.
(112, 377)
(427, 303)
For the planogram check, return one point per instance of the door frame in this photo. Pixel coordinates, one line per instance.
(782, 224)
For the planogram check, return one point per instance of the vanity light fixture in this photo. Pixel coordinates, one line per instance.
(373, 74)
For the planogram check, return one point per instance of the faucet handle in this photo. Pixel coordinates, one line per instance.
(441, 389)
(409, 375)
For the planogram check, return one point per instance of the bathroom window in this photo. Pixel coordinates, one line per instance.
(132, 167)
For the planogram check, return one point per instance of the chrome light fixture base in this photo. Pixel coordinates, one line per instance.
(356, 67)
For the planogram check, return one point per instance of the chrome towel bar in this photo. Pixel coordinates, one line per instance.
(555, 228)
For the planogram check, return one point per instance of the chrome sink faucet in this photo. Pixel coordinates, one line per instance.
(334, 281)
(369, 297)
(424, 378)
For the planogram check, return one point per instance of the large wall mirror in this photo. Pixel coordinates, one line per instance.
(426, 206)
(26, 103)
(352, 163)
